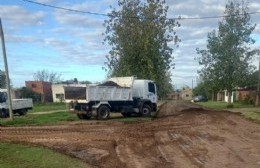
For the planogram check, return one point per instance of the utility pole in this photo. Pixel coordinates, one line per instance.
(258, 86)
(191, 84)
(6, 72)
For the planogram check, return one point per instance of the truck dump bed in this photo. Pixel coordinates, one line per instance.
(114, 89)
(108, 93)
(22, 104)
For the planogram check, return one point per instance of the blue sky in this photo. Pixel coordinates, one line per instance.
(39, 37)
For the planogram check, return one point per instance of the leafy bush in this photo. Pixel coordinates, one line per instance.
(247, 100)
(230, 106)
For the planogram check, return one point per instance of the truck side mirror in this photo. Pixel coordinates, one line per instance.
(157, 87)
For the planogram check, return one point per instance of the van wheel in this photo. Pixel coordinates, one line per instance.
(103, 113)
(3, 113)
(146, 111)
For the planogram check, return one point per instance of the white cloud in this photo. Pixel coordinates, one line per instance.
(18, 16)
(77, 20)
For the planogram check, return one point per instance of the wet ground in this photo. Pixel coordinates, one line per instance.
(183, 135)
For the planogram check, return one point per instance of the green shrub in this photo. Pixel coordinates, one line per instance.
(247, 100)
(230, 106)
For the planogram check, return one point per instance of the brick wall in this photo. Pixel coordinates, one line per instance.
(40, 87)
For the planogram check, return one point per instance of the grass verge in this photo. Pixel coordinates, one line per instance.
(255, 116)
(247, 111)
(222, 105)
(24, 156)
(41, 119)
(48, 107)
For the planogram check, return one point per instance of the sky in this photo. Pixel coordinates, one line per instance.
(42, 38)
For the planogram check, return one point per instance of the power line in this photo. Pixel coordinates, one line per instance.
(67, 9)
(107, 15)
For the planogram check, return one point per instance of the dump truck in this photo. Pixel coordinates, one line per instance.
(20, 106)
(125, 95)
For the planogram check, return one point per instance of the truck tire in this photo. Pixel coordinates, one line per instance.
(146, 111)
(87, 116)
(22, 112)
(3, 113)
(84, 116)
(103, 112)
(80, 116)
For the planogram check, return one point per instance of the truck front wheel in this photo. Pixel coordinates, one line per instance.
(146, 111)
(103, 113)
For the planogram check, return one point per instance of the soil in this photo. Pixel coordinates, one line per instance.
(183, 135)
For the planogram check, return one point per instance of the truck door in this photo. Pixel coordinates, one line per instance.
(152, 95)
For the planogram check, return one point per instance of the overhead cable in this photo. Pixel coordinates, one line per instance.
(107, 15)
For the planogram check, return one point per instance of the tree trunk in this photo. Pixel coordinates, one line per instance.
(212, 96)
(229, 97)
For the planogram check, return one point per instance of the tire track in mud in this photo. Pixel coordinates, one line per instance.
(184, 136)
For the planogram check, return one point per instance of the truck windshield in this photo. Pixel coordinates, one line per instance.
(3, 97)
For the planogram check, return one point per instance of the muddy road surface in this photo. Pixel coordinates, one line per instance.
(182, 136)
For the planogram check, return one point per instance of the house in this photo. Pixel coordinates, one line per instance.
(247, 95)
(226, 96)
(42, 88)
(175, 95)
(223, 96)
(58, 91)
(186, 93)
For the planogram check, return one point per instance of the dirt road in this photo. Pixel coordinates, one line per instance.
(183, 136)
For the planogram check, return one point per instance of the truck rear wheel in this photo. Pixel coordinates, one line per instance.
(103, 113)
(84, 116)
(146, 111)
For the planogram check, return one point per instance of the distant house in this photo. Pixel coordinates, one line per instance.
(42, 88)
(58, 91)
(238, 95)
(186, 93)
(175, 95)
(245, 94)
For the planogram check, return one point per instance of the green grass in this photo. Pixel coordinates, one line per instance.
(247, 111)
(40, 119)
(48, 107)
(252, 116)
(222, 105)
(24, 156)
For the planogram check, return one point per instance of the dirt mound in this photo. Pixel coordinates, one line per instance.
(174, 108)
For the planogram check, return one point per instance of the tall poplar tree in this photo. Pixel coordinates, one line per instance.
(227, 59)
(139, 34)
